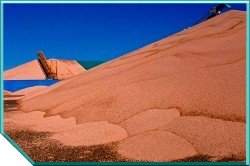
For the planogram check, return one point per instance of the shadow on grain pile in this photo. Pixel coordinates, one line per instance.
(40, 148)
(206, 158)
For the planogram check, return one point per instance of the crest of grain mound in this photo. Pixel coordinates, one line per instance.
(199, 71)
(29, 70)
(32, 70)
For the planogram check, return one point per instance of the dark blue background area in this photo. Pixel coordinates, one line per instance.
(90, 32)
(15, 85)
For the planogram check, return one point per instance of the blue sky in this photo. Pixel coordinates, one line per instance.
(91, 31)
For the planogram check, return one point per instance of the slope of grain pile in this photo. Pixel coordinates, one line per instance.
(6, 93)
(29, 90)
(198, 72)
(92, 133)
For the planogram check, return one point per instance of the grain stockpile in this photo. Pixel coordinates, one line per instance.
(186, 92)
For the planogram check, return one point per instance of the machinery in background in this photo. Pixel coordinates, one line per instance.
(49, 67)
(216, 10)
